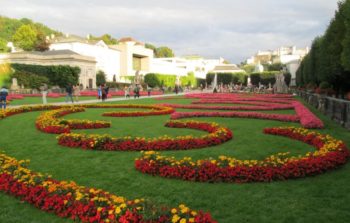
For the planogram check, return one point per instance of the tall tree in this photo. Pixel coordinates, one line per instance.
(25, 37)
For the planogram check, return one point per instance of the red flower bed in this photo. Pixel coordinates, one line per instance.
(79, 203)
(257, 115)
(265, 107)
(307, 118)
(330, 154)
(217, 135)
(154, 110)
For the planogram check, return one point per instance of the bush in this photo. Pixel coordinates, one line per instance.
(60, 75)
(30, 80)
(152, 80)
(324, 85)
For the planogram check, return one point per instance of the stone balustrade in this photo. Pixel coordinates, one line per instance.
(337, 109)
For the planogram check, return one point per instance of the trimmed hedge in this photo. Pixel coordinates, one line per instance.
(60, 75)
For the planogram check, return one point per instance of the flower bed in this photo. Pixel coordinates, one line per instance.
(154, 110)
(217, 135)
(307, 118)
(257, 115)
(79, 203)
(265, 107)
(330, 154)
(48, 121)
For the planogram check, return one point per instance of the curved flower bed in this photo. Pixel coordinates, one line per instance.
(330, 154)
(48, 121)
(155, 110)
(257, 115)
(265, 107)
(69, 200)
(217, 135)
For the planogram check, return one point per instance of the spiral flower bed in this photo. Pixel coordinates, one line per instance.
(217, 135)
(79, 203)
(330, 154)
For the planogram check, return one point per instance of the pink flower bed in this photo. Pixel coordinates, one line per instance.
(257, 115)
(307, 118)
(265, 107)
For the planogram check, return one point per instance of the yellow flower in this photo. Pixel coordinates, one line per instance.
(175, 218)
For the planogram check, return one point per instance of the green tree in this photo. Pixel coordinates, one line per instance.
(345, 56)
(3, 46)
(100, 78)
(25, 37)
(164, 51)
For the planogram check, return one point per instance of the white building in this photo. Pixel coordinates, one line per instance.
(281, 55)
(134, 57)
(87, 65)
(108, 59)
(182, 66)
(120, 61)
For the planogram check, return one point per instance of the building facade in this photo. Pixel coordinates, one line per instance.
(107, 59)
(87, 65)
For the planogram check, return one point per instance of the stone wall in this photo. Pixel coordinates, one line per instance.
(337, 109)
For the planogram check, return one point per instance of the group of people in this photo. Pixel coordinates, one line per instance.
(137, 89)
(73, 92)
(102, 92)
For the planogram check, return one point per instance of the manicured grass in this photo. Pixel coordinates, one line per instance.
(38, 100)
(323, 198)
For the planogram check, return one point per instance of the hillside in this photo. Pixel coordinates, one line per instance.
(9, 26)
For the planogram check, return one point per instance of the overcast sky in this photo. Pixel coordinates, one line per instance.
(233, 29)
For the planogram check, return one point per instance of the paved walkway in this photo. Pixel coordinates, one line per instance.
(108, 100)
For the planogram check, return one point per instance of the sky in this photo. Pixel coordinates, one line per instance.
(232, 29)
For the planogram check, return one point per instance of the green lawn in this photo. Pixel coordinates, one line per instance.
(38, 100)
(323, 198)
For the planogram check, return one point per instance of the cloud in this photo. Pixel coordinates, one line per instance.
(233, 29)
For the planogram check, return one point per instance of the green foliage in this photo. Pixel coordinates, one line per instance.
(273, 67)
(8, 28)
(100, 78)
(150, 46)
(255, 79)
(248, 68)
(325, 85)
(164, 51)
(287, 78)
(60, 75)
(226, 78)
(41, 44)
(152, 80)
(189, 80)
(328, 60)
(3, 46)
(29, 80)
(25, 37)
(106, 38)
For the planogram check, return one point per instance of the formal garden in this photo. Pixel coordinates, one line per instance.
(193, 158)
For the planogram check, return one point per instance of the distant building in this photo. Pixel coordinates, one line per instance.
(120, 61)
(107, 59)
(134, 57)
(227, 68)
(87, 65)
(181, 66)
(281, 55)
